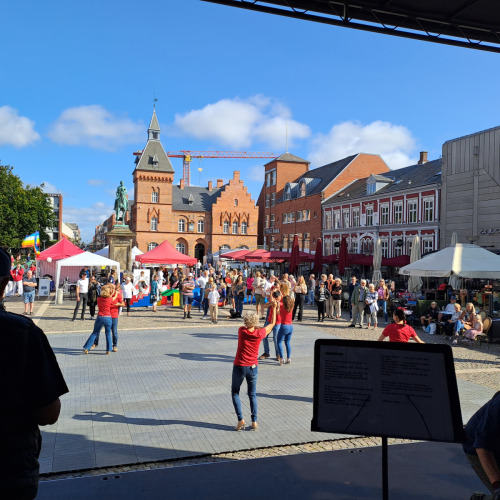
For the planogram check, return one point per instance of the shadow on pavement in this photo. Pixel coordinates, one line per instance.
(192, 356)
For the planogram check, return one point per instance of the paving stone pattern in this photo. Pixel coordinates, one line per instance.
(164, 397)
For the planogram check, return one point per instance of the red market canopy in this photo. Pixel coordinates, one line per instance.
(165, 253)
(61, 250)
(399, 261)
(235, 254)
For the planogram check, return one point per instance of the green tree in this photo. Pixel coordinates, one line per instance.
(23, 210)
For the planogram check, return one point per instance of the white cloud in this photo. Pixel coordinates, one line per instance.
(238, 123)
(96, 182)
(87, 217)
(96, 127)
(50, 188)
(16, 130)
(394, 143)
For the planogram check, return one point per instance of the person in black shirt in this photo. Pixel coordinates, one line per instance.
(430, 316)
(30, 385)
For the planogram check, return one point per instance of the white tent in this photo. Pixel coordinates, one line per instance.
(85, 259)
(463, 260)
(104, 252)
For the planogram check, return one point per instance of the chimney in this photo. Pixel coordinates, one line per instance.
(181, 183)
(210, 185)
(423, 158)
(220, 183)
(236, 175)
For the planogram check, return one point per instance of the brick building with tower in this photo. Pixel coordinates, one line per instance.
(291, 197)
(196, 220)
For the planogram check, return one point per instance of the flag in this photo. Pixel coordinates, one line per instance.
(32, 240)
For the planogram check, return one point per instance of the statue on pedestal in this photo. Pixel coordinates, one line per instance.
(121, 203)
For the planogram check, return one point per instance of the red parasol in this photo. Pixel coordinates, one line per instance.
(343, 256)
(318, 257)
(294, 256)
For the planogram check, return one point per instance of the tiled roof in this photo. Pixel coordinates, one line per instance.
(404, 178)
(154, 125)
(318, 178)
(290, 158)
(203, 199)
(154, 158)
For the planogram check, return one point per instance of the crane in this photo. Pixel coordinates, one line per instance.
(187, 155)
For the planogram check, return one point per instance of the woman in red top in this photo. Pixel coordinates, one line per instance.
(399, 331)
(286, 329)
(245, 363)
(276, 294)
(103, 319)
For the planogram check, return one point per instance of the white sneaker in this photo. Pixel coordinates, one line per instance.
(205, 317)
(455, 341)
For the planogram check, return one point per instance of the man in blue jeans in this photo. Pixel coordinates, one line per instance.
(312, 287)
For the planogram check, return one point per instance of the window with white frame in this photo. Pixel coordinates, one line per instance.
(154, 224)
(181, 226)
(428, 245)
(154, 197)
(306, 240)
(299, 215)
(385, 248)
(369, 216)
(412, 211)
(271, 242)
(354, 246)
(244, 227)
(225, 227)
(273, 177)
(235, 202)
(397, 250)
(429, 210)
(409, 245)
(267, 201)
(273, 199)
(328, 246)
(272, 220)
(302, 188)
(384, 215)
(398, 213)
(292, 216)
(345, 221)
(201, 226)
(235, 227)
(370, 188)
(336, 219)
(268, 180)
(151, 246)
(328, 220)
(180, 247)
(355, 217)
(308, 215)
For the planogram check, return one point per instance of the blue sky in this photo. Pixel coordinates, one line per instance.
(78, 79)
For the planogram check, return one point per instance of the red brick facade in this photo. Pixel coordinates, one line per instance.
(281, 218)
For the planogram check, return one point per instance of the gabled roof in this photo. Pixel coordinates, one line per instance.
(202, 198)
(404, 178)
(319, 178)
(289, 158)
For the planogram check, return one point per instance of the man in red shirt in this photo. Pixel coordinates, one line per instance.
(17, 277)
(246, 361)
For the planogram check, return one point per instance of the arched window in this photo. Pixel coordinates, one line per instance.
(201, 226)
(235, 202)
(244, 227)
(154, 224)
(181, 226)
(151, 246)
(288, 192)
(235, 227)
(154, 197)
(303, 189)
(225, 227)
(180, 247)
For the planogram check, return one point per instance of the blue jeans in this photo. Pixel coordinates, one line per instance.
(114, 331)
(311, 297)
(458, 326)
(239, 374)
(285, 334)
(99, 323)
(382, 304)
(238, 302)
(265, 340)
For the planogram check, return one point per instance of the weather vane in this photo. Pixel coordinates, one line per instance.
(154, 99)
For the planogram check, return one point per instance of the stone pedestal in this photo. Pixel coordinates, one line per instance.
(121, 240)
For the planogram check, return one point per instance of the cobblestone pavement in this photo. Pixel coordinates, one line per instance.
(100, 393)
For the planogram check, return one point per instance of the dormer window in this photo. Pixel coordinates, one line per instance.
(370, 188)
(288, 192)
(191, 199)
(302, 188)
